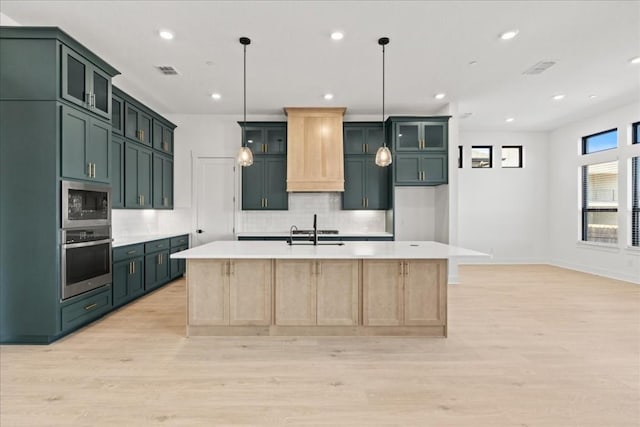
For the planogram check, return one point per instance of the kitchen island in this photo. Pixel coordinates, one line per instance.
(352, 288)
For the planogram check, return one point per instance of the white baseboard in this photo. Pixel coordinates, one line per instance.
(611, 274)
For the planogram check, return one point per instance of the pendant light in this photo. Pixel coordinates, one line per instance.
(245, 156)
(383, 155)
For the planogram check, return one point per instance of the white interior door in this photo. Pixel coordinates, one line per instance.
(215, 190)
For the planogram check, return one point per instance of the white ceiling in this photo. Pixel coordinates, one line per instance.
(292, 61)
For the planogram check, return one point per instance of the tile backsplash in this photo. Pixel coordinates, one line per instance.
(302, 206)
(139, 222)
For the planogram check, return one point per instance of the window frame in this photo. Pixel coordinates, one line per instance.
(460, 161)
(490, 147)
(585, 138)
(520, 163)
(635, 201)
(587, 210)
(635, 133)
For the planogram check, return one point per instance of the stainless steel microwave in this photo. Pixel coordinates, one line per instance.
(85, 204)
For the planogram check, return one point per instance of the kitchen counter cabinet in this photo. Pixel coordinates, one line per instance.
(360, 288)
(237, 293)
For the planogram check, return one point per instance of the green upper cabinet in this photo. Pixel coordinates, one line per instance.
(84, 84)
(264, 184)
(366, 185)
(117, 171)
(362, 138)
(137, 124)
(162, 137)
(266, 137)
(420, 136)
(86, 146)
(138, 173)
(420, 146)
(117, 115)
(162, 182)
(421, 169)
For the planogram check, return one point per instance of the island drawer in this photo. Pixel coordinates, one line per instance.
(125, 252)
(156, 245)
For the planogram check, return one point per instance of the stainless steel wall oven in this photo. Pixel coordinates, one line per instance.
(85, 259)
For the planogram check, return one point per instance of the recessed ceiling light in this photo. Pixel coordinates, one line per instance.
(166, 34)
(558, 97)
(509, 119)
(508, 35)
(328, 96)
(635, 60)
(593, 96)
(473, 62)
(439, 95)
(337, 35)
(216, 96)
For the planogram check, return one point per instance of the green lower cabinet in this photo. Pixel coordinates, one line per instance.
(85, 309)
(177, 267)
(117, 172)
(421, 169)
(86, 146)
(264, 184)
(138, 176)
(366, 185)
(162, 182)
(128, 280)
(156, 269)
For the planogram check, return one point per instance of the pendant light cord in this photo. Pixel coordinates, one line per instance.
(244, 122)
(384, 138)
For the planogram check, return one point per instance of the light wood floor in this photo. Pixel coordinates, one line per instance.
(527, 346)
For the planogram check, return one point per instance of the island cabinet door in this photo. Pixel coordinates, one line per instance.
(295, 292)
(337, 292)
(382, 299)
(208, 292)
(250, 292)
(425, 287)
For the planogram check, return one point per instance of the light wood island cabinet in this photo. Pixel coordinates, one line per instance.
(360, 288)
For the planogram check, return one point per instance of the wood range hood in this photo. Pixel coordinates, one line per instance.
(315, 159)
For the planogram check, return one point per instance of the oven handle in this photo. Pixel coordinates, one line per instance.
(85, 244)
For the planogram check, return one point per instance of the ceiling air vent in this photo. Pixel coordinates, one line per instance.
(167, 70)
(539, 68)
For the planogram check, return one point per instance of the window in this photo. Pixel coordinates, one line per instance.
(459, 156)
(635, 201)
(600, 141)
(600, 202)
(481, 156)
(512, 156)
(636, 133)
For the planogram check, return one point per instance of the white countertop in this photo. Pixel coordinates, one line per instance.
(286, 234)
(142, 238)
(234, 249)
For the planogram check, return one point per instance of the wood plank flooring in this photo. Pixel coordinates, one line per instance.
(527, 346)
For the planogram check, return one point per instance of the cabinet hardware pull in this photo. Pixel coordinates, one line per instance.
(94, 170)
(89, 169)
(366, 148)
(133, 264)
(266, 202)
(406, 268)
(90, 306)
(142, 199)
(401, 268)
(266, 148)
(231, 268)
(367, 200)
(131, 252)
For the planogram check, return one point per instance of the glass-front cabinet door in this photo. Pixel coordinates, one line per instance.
(407, 136)
(434, 136)
(117, 115)
(84, 84)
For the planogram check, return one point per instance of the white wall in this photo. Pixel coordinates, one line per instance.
(618, 260)
(9, 22)
(503, 211)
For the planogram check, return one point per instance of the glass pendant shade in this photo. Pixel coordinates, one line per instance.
(245, 157)
(383, 156)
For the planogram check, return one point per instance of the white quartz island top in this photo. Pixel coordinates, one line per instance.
(234, 249)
